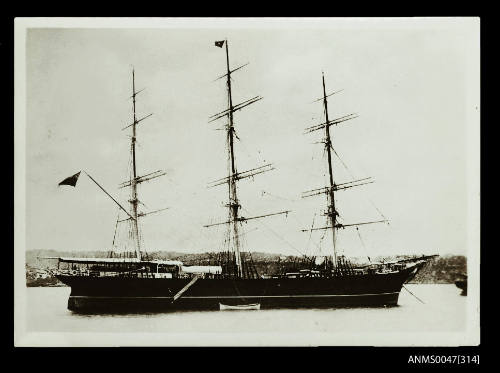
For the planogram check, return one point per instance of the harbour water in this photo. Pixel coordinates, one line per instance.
(444, 310)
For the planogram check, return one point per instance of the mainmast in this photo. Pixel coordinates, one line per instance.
(233, 204)
(234, 219)
(330, 190)
(331, 212)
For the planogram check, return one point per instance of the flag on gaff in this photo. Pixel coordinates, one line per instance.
(219, 43)
(71, 180)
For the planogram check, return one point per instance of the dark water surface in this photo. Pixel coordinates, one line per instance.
(444, 311)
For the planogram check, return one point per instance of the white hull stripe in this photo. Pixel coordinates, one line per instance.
(246, 297)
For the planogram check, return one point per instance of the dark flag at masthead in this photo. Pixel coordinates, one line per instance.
(219, 43)
(70, 180)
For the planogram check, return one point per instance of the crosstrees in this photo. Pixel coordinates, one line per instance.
(136, 93)
(338, 225)
(243, 175)
(242, 219)
(140, 179)
(329, 123)
(141, 214)
(234, 108)
(137, 121)
(232, 71)
(328, 95)
(341, 186)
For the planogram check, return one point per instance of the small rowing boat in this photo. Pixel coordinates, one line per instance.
(225, 307)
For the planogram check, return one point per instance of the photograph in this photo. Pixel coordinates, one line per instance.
(246, 181)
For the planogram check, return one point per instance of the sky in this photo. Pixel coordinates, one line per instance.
(412, 83)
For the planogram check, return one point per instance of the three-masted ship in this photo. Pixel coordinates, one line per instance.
(135, 282)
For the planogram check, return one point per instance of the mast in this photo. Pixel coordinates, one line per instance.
(135, 180)
(234, 218)
(133, 183)
(330, 190)
(233, 204)
(331, 213)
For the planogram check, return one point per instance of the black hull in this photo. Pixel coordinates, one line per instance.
(149, 304)
(116, 294)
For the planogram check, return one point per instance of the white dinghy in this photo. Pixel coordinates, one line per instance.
(225, 307)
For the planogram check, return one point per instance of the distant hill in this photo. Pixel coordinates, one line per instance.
(441, 270)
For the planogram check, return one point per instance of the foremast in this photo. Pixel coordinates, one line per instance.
(331, 212)
(234, 218)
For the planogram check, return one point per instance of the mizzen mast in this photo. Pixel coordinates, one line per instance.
(233, 205)
(330, 190)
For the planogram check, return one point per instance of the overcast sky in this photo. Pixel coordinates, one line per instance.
(409, 82)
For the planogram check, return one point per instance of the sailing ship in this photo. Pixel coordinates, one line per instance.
(136, 282)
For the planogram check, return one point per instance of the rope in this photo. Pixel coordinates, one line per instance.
(363, 244)
(275, 196)
(404, 287)
(277, 235)
(341, 161)
(114, 235)
(352, 175)
(310, 233)
(373, 204)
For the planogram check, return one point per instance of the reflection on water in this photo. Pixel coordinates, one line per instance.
(444, 310)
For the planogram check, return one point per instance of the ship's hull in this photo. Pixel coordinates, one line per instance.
(114, 294)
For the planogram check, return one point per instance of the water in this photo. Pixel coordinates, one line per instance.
(444, 311)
